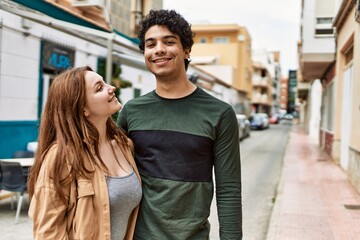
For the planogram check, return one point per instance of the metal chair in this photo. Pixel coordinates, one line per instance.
(23, 154)
(0, 181)
(13, 180)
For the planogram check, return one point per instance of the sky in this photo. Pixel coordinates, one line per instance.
(273, 25)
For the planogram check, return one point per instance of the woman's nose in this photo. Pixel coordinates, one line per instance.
(111, 89)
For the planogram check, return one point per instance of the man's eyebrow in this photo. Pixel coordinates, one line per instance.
(165, 37)
(170, 36)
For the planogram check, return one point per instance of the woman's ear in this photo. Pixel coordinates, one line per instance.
(86, 112)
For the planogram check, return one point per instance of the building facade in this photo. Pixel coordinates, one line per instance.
(270, 60)
(316, 50)
(262, 89)
(224, 50)
(340, 116)
(283, 93)
(346, 129)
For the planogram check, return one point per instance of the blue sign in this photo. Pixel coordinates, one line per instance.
(59, 61)
(56, 58)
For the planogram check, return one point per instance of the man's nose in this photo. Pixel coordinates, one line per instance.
(160, 48)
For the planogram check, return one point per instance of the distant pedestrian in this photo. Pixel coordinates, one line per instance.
(84, 183)
(181, 134)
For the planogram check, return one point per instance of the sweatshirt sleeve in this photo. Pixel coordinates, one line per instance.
(228, 177)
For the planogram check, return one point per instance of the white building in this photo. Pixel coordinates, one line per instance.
(316, 55)
(271, 61)
(34, 47)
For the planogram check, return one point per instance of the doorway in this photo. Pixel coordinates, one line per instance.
(47, 80)
(346, 117)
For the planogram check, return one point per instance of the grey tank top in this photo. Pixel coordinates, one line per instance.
(124, 194)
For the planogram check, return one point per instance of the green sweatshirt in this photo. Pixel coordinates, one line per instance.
(178, 144)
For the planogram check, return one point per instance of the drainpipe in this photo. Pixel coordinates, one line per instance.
(110, 46)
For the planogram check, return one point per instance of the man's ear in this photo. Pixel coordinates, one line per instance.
(187, 53)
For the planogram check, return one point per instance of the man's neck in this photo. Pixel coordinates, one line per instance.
(174, 89)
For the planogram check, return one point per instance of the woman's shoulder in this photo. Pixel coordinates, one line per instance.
(50, 156)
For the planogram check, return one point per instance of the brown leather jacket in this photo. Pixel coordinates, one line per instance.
(87, 214)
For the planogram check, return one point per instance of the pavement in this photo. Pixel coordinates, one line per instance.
(8, 229)
(315, 200)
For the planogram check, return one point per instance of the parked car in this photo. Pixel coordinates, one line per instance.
(275, 119)
(244, 126)
(288, 117)
(259, 121)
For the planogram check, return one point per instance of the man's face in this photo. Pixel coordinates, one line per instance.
(164, 54)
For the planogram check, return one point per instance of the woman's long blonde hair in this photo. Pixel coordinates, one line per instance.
(63, 123)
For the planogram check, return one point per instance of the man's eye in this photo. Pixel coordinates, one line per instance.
(150, 45)
(100, 88)
(169, 43)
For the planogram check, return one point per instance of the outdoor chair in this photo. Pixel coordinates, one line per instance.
(13, 180)
(23, 154)
(0, 181)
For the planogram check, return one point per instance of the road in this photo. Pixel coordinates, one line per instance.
(261, 160)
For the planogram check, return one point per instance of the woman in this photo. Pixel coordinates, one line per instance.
(84, 183)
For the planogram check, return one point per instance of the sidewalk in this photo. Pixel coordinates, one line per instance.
(312, 195)
(8, 229)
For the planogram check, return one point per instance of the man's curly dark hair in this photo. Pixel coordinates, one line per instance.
(173, 21)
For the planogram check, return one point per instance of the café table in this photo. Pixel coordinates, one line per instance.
(24, 162)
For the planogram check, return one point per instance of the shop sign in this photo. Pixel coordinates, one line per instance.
(56, 57)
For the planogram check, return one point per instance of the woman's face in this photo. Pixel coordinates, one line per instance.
(101, 101)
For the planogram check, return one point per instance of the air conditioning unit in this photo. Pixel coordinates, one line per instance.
(357, 11)
(87, 3)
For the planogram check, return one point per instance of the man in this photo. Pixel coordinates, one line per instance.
(180, 133)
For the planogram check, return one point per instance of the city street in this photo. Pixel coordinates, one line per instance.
(288, 69)
(261, 158)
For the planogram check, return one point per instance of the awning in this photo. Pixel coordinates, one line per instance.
(132, 61)
(110, 40)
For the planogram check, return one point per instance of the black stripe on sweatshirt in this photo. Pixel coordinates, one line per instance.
(173, 155)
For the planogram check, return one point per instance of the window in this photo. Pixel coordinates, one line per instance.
(324, 31)
(349, 54)
(137, 92)
(221, 39)
(326, 20)
(324, 26)
(203, 40)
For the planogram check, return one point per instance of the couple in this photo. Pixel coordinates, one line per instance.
(85, 183)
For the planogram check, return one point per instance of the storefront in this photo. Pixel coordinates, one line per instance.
(34, 48)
